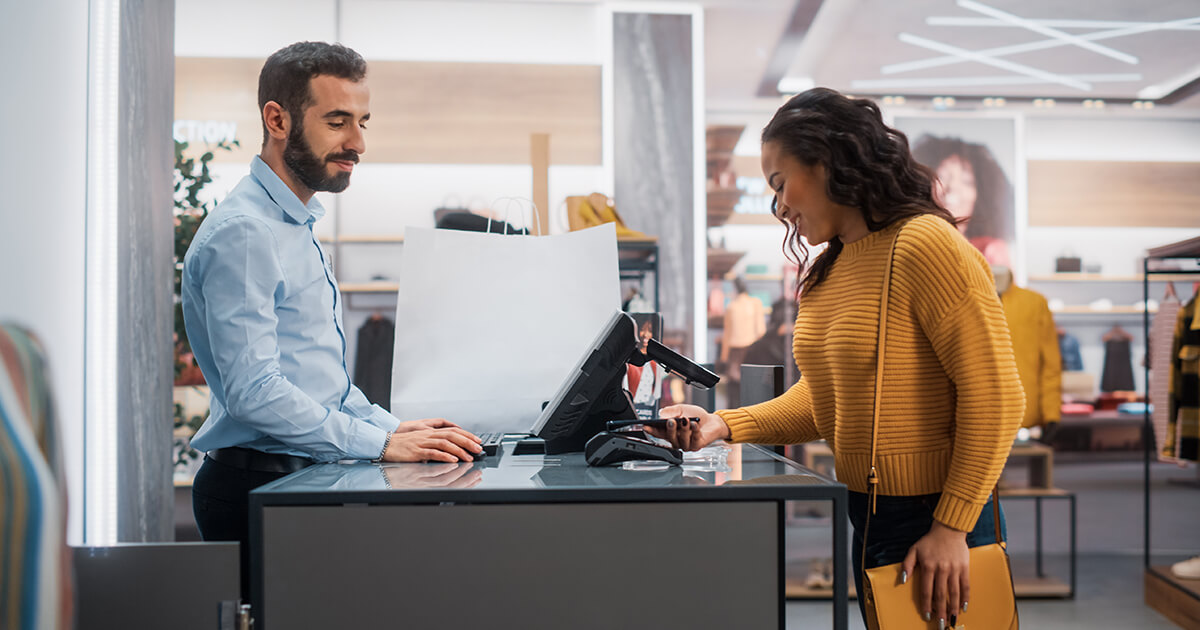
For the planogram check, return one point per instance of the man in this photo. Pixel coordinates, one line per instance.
(263, 312)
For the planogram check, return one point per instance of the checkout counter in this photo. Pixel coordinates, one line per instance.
(535, 541)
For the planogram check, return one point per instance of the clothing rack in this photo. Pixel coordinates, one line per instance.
(1160, 585)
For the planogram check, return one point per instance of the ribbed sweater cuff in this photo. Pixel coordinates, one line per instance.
(958, 513)
(742, 427)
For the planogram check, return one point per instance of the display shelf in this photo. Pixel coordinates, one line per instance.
(379, 286)
(1176, 599)
(1083, 310)
(721, 261)
(720, 204)
(364, 238)
(1098, 278)
(745, 218)
(719, 142)
(756, 277)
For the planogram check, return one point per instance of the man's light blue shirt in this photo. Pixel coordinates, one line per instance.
(264, 318)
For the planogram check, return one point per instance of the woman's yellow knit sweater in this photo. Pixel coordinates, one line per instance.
(951, 401)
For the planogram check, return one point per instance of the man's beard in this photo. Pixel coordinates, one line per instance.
(312, 170)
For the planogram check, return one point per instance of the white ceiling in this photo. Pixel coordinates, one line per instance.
(1075, 50)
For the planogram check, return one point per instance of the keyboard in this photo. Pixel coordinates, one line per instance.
(491, 442)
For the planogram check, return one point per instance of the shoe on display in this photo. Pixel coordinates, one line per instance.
(1187, 570)
(820, 574)
(597, 209)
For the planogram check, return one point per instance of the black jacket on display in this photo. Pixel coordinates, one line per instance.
(373, 360)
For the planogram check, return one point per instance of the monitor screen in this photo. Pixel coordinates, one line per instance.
(591, 394)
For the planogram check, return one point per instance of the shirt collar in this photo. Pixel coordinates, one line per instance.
(283, 196)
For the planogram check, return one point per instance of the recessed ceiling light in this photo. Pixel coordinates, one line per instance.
(795, 85)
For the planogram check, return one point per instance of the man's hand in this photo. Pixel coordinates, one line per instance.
(425, 423)
(690, 436)
(943, 563)
(431, 440)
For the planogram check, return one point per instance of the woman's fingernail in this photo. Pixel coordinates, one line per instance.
(904, 577)
(941, 624)
(964, 606)
(928, 615)
(670, 424)
(953, 620)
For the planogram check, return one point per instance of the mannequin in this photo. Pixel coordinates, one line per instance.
(745, 322)
(1035, 346)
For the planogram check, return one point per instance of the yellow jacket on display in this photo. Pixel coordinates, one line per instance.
(951, 401)
(1035, 347)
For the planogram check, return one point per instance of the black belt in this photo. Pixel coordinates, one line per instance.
(258, 461)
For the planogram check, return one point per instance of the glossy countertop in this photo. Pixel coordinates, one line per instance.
(721, 471)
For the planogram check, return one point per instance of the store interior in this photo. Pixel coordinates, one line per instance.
(1077, 126)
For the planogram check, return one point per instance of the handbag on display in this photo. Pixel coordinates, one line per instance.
(894, 605)
(1068, 263)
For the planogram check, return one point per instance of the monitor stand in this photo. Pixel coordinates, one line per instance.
(614, 403)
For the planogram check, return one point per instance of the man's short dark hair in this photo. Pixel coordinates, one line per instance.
(286, 75)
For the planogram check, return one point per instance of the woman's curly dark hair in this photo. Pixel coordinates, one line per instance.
(869, 168)
(993, 193)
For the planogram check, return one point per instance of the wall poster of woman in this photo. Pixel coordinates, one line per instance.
(980, 178)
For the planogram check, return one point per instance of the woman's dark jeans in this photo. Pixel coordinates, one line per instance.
(897, 524)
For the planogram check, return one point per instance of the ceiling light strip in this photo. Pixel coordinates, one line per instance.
(909, 38)
(1007, 79)
(948, 20)
(979, 7)
(1004, 51)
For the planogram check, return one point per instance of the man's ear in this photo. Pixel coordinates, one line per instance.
(277, 120)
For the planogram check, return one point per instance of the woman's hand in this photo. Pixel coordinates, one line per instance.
(690, 436)
(944, 563)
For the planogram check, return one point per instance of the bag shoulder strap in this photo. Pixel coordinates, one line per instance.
(872, 474)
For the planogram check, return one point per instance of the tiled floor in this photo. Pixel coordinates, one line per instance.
(1110, 543)
(1109, 596)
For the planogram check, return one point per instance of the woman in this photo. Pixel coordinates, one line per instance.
(951, 400)
(973, 187)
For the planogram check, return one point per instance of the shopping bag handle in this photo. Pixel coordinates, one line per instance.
(508, 206)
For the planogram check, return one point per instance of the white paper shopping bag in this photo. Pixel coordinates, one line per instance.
(488, 325)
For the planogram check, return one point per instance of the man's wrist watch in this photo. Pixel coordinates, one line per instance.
(386, 442)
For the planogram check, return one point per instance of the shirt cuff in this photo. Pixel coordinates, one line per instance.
(366, 442)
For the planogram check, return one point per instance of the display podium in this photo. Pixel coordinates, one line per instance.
(534, 541)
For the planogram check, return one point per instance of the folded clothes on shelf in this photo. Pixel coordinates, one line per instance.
(1134, 408)
(1077, 409)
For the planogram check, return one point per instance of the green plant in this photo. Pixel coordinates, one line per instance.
(191, 176)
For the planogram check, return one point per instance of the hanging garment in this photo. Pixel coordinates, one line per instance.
(373, 360)
(1162, 340)
(1068, 347)
(1118, 367)
(1035, 347)
(35, 577)
(1184, 411)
